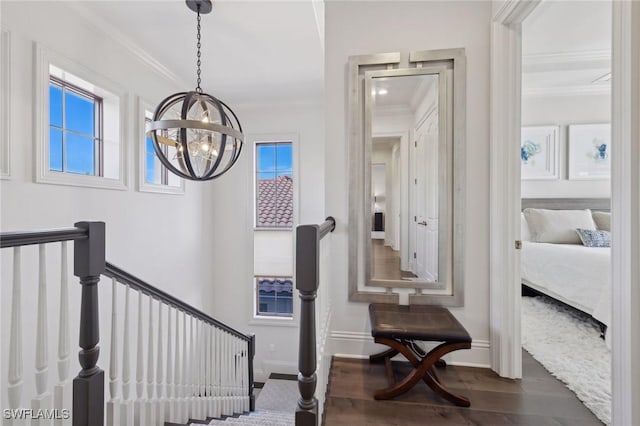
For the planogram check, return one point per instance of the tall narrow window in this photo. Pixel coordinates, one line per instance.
(274, 185)
(75, 129)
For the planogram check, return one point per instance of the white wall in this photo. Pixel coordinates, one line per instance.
(356, 28)
(231, 213)
(564, 111)
(160, 238)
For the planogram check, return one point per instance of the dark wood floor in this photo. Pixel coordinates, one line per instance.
(538, 399)
(385, 262)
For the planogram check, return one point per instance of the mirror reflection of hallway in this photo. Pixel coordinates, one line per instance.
(406, 175)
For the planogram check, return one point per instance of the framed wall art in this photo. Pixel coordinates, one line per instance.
(589, 151)
(539, 152)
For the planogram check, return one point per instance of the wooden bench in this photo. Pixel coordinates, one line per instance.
(398, 327)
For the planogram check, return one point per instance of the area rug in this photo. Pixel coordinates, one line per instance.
(568, 344)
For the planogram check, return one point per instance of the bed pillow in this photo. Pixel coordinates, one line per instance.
(558, 226)
(602, 220)
(597, 238)
(525, 233)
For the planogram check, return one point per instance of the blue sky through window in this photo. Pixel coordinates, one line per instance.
(71, 132)
(274, 160)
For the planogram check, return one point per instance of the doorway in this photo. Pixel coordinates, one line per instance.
(625, 204)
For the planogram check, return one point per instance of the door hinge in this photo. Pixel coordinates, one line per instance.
(415, 144)
(414, 255)
(415, 218)
(518, 245)
(415, 181)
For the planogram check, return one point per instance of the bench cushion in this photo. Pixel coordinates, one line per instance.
(416, 322)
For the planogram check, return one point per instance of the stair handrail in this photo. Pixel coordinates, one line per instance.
(42, 236)
(307, 282)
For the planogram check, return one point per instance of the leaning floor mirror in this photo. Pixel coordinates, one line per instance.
(407, 168)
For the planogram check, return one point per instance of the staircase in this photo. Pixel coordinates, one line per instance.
(258, 418)
(275, 406)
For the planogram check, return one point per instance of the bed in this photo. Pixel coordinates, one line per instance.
(572, 273)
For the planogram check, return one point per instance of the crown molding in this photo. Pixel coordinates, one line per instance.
(544, 62)
(116, 35)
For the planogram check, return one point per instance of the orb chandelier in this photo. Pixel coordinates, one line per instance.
(195, 135)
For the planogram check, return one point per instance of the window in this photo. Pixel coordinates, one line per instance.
(155, 172)
(274, 297)
(275, 212)
(274, 185)
(154, 176)
(75, 129)
(80, 124)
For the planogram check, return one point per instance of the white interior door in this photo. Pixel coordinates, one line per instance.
(421, 216)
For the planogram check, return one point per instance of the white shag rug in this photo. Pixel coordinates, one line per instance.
(568, 344)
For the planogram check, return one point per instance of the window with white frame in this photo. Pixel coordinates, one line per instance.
(274, 296)
(274, 217)
(80, 125)
(154, 176)
(274, 185)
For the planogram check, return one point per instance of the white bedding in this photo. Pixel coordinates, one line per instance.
(574, 274)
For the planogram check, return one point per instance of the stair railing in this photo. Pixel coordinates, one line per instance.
(207, 372)
(313, 361)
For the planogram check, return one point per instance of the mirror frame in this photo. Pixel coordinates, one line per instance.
(361, 287)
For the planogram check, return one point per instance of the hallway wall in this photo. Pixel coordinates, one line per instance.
(357, 28)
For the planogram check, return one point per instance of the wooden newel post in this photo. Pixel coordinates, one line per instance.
(88, 386)
(307, 255)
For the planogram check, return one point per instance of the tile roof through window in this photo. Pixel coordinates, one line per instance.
(275, 202)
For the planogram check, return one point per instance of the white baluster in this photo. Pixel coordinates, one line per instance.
(169, 381)
(126, 407)
(193, 371)
(14, 378)
(185, 411)
(175, 405)
(43, 398)
(140, 413)
(159, 372)
(63, 391)
(151, 400)
(201, 370)
(209, 367)
(113, 414)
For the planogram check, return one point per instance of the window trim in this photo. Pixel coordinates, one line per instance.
(251, 140)
(44, 59)
(98, 155)
(143, 185)
(5, 105)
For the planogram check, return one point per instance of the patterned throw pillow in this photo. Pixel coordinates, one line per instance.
(591, 238)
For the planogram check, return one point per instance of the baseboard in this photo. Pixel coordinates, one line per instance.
(359, 345)
(270, 366)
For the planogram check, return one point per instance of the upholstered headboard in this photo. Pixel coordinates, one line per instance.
(595, 204)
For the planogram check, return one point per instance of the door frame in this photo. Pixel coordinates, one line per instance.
(505, 334)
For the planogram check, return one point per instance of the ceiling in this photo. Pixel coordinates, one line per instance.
(401, 92)
(253, 52)
(566, 47)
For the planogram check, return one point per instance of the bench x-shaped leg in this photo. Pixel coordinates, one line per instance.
(422, 370)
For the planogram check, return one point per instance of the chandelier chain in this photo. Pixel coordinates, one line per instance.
(198, 88)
